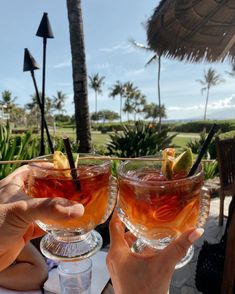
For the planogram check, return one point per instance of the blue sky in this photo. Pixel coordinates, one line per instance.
(108, 25)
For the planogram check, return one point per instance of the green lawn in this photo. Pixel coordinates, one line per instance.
(179, 141)
(183, 138)
(99, 139)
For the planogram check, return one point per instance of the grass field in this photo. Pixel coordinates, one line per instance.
(182, 139)
(179, 141)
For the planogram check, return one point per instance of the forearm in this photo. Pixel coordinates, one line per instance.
(22, 276)
(28, 272)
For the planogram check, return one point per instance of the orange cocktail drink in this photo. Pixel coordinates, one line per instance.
(157, 209)
(93, 192)
(90, 184)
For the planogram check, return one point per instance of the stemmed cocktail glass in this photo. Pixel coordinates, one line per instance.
(95, 188)
(157, 210)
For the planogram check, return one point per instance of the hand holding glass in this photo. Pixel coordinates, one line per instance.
(157, 210)
(95, 189)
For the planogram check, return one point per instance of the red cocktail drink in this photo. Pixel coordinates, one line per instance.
(93, 186)
(93, 192)
(158, 210)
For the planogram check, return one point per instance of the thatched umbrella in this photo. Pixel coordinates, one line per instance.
(193, 30)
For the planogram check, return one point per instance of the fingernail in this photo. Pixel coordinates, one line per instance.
(195, 235)
(76, 210)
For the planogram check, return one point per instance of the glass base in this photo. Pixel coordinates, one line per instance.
(139, 246)
(186, 259)
(71, 251)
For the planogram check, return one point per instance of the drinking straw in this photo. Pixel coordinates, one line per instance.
(71, 162)
(203, 150)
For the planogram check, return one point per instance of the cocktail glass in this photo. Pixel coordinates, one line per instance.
(157, 210)
(94, 187)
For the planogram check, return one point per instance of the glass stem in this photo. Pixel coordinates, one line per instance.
(138, 246)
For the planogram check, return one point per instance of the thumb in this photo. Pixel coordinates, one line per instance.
(116, 231)
(178, 248)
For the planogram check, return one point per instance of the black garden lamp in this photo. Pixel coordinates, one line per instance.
(30, 64)
(44, 31)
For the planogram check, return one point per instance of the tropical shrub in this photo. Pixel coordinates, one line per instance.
(230, 134)
(23, 147)
(100, 149)
(109, 127)
(210, 169)
(199, 126)
(140, 139)
(115, 165)
(196, 145)
(14, 148)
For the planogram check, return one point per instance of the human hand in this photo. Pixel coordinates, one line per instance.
(18, 213)
(147, 273)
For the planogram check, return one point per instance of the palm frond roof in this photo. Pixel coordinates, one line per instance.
(193, 30)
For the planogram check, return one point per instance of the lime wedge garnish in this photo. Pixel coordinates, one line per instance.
(183, 163)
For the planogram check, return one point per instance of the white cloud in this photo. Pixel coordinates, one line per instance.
(223, 103)
(123, 47)
(62, 64)
(178, 108)
(136, 72)
(217, 105)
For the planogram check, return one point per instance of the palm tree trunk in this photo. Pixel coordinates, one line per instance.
(82, 117)
(159, 93)
(96, 102)
(207, 98)
(120, 108)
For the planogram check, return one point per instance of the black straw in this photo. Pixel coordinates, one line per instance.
(205, 146)
(71, 162)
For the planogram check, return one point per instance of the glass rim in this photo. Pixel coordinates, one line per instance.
(121, 174)
(105, 163)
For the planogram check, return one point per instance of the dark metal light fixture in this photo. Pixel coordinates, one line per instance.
(30, 64)
(44, 31)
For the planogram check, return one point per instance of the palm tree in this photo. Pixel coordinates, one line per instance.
(138, 102)
(59, 100)
(128, 92)
(211, 79)
(135, 100)
(96, 83)
(34, 109)
(154, 58)
(58, 105)
(232, 72)
(8, 101)
(118, 89)
(18, 117)
(82, 116)
(152, 111)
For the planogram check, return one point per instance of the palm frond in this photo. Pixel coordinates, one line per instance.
(154, 58)
(201, 82)
(139, 45)
(203, 89)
